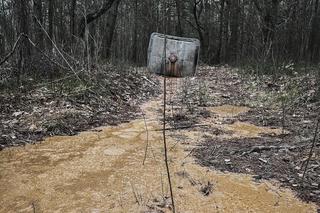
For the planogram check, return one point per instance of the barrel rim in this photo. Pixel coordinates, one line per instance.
(176, 37)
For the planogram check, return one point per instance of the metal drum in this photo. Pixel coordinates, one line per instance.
(180, 54)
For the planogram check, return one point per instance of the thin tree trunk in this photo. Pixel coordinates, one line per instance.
(38, 14)
(2, 45)
(110, 29)
(217, 57)
(94, 15)
(22, 28)
(314, 44)
(135, 34)
(232, 50)
(179, 26)
(73, 17)
(199, 28)
(51, 14)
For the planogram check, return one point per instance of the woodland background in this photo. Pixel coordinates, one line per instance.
(70, 66)
(59, 36)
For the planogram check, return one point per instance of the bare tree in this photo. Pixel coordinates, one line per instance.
(73, 17)
(314, 44)
(230, 31)
(51, 17)
(109, 30)
(232, 49)
(39, 16)
(90, 17)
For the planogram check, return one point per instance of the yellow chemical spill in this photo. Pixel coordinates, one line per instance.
(103, 172)
(228, 110)
(242, 129)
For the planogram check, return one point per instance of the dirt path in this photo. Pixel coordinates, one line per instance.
(102, 171)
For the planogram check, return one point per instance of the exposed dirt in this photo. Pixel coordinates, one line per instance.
(249, 132)
(103, 171)
(28, 116)
(217, 117)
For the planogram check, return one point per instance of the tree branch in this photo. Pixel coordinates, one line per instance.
(90, 17)
(256, 3)
(16, 44)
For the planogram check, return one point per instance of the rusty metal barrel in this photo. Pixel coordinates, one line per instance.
(178, 55)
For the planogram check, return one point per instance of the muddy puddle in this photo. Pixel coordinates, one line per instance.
(242, 129)
(102, 171)
(229, 110)
(237, 129)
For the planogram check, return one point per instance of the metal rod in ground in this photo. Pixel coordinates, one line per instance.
(164, 127)
(165, 143)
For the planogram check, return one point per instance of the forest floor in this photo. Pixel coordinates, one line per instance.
(51, 109)
(220, 119)
(260, 126)
(121, 169)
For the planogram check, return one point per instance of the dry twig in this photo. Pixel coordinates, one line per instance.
(312, 147)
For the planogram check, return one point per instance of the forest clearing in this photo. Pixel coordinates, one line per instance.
(160, 106)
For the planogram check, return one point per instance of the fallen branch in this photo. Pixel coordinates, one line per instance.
(38, 49)
(16, 44)
(259, 149)
(311, 150)
(58, 50)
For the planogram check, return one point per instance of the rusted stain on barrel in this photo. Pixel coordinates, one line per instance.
(173, 69)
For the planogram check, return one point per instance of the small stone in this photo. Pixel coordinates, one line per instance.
(33, 128)
(227, 161)
(248, 170)
(16, 114)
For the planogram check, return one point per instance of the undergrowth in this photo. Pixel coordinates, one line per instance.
(290, 84)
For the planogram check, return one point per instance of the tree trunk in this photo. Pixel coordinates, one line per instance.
(179, 26)
(225, 35)
(270, 21)
(135, 34)
(197, 11)
(2, 45)
(232, 50)
(94, 15)
(39, 16)
(73, 17)
(110, 29)
(22, 28)
(51, 14)
(92, 42)
(217, 56)
(314, 44)
(269, 16)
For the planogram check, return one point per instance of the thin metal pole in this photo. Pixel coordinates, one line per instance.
(164, 126)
